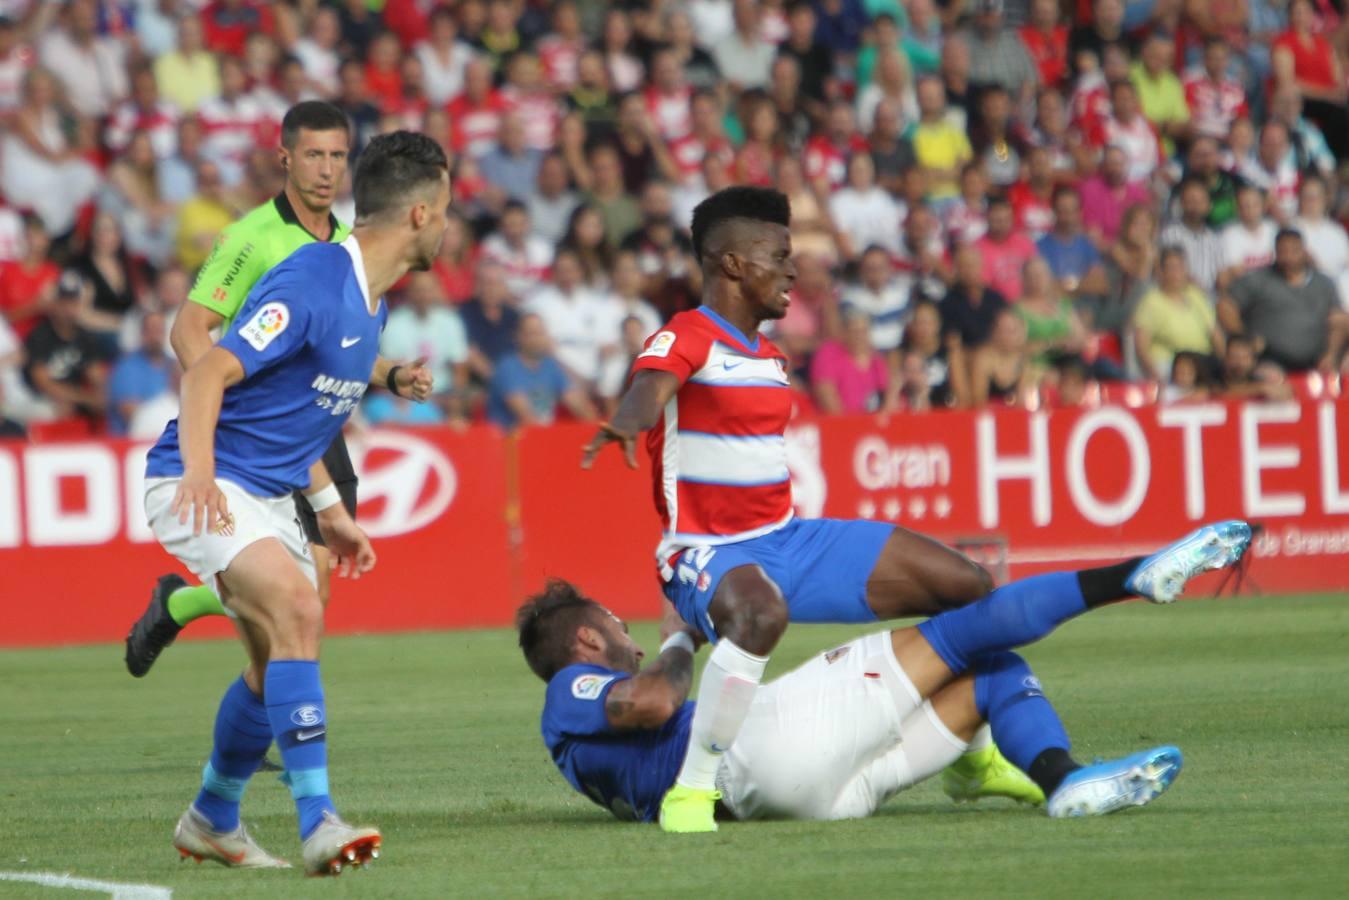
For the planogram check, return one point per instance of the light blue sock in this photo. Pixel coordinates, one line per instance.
(1015, 614)
(242, 735)
(300, 727)
(1023, 721)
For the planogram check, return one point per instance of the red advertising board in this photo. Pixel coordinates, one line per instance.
(467, 523)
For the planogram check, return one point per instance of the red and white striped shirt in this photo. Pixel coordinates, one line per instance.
(473, 127)
(719, 455)
(1214, 105)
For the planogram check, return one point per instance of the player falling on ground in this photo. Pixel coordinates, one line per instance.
(258, 410)
(314, 140)
(713, 396)
(841, 734)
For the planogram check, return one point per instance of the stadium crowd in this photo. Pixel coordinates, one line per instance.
(1023, 202)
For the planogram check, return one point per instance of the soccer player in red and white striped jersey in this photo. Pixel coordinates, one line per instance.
(713, 396)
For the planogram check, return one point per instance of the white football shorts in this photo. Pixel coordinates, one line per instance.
(835, 738)
(252, 518)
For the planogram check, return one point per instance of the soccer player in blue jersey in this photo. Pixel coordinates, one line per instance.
(258, 410)
(841, 734)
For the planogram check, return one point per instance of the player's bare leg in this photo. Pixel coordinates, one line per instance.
(323, 572)
(918, 576)
(273, 597)
(749, 616)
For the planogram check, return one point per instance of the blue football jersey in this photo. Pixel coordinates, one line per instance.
(626, 772)
(308, 342)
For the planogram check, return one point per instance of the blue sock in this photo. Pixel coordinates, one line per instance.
(1013, 615)
(300, 726)
(1009, 697)
(242, 736)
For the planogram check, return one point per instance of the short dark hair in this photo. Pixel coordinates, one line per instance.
(1171, 250)
(1287, 233)
(312, 115)
(756, 204)
(392, 168)
(1191, 181)
(547, 624)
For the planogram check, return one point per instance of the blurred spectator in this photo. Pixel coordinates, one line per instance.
(11, 234)
(444, 56)
(864, 213)
(1000, 370)
(1107, 195)
(744, 57)
(1174, 315)
(642, 154)
(560, 50)
(894, 83)
(996, 144)
(11, 362)
(526, 257)
(131, 194)
(1304, 59)
(230, 121)
(627, 289)
(713, 21)
(140, 375)
(668, 96)
(202, 217)
(970, 306)
(425, 327)
(1106, 29)
(1274, 171)
(1203, 163)
(477, 112)
(915, 388)
(828, 153)
(815, 64)
(490, 321)
(1290, 309)
(360, 24)
(795, 121)
(176, 176)
(383, 79)
(1326, 241)
(66, 367)
(880, 298)
(527, 386)
(1243, 375)
(1309, 150)
(1046, 41)
(849, 375)
(997, 55)
(317, 50)
(15, 60)
(28, 284)
(1215, 99)
(625, 70)
(954, 74)
(607, 193)
(756, 160)
(966, 219)
(939, 146)
(660, 245)
(700, 69)
(1188, 379)
(156, 24)
(1032, 196)
(1072, 382)
(637, 321)
(456, 263)
(189, 75)
(586, 237)
(166, 300)
(112, 277)
(890, 150)
(713, 175)
(1052, 325)
(526, 93)
(812, 228)
(1051, 130)
(1092, 100)
(1202, 245)
(39, 169)
(510, 165)
(1130, 131)
(228, 23)
(144, 113)
(1005, 250)
(90, 68)
(922, 39)
(1248, 243)
(585, 325)
(706, 138)
(921, 266)
(1072, 258)
(1240, 146)
(354, 99)
(592, 98)
(1161, 96)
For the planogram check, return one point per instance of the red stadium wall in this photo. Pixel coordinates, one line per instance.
(467, 523)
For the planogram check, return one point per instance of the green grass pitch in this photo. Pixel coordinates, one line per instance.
(435, 739)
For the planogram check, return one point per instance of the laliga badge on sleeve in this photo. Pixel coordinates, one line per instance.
(660, 345)
(588, 687)
(266, 324)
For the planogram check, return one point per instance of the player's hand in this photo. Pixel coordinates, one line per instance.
(671, 623)
(415, 380)
(200, 498)
(350, 551)
(605, 435)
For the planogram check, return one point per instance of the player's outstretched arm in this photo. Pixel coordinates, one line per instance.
(350, 550)
(203, 388)
(191, 333)
(649, 698)
(640, 409)
(410, 380)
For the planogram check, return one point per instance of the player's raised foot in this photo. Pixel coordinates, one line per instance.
(686, 810)
(334, 845)
(987, 773)
(1162, 576)
(196, 839)
(155, 629)
(1105, 787)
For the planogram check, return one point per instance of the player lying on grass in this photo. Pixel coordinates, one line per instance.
(258, 411)
(841, 734)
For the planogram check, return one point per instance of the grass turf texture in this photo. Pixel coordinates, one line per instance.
(435, 739)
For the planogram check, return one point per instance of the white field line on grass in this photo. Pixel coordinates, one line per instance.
(117, 890)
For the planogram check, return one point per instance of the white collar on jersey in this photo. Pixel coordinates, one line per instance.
(353, 248)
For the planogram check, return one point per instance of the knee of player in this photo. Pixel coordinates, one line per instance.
(969, 584)
(755, 620)
(302, 611)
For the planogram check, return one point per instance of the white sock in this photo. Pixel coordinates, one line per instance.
(730, 679)
(982, 738)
